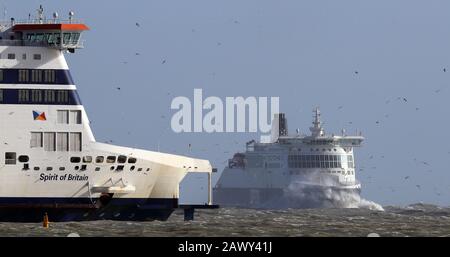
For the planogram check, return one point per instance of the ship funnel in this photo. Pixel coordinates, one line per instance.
(279, 127)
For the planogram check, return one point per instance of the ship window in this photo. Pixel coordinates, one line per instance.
(49, 76)
(148, 169)
(36, 139)
(37, 56)
(36, 168)
(75, 141)
(49, 141)
(23, 75)
(63, 117)
(49, 168)
(62, 140)
(132, 160)
(49, 96)
(132, 167)
(77, 167)
(24, 56)
(75, 159)
(50, 38)
(11, 56)
(111, 159)
(97, 168)
(119, 167)
(139, 169)
(1, 95)
(23, 95)
(63, 96)
(99, 159)
(87, 159)
(83, 167)
(10, 158)
(75, 37)
(122, 159)
(1, 75)
(112, 168)
(23, 158)
(36, 95)
(75, 117)
(39, 36)
(36, 75)
(62, 168)
(26, 166)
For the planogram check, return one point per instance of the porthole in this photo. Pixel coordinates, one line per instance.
(75, 159)
(62, 168)
(97, 169)
(148, 169)
(24, 158)
(139, 169)
(112, 168)
(132, 167)
(132, 160)
(111, 159)
(49, 168)
(36, 168)
(77, 167)
(122, 159)
(99, 159)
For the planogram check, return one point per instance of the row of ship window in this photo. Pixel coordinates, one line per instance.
(12, 56)
(11, 159)
(318, 161)
(57, 141)
(40, 96)
(350, 172)
(35, 75)
(53, 38)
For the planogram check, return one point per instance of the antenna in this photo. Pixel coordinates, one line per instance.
(55, 16)
(71, 14)
(40, 12)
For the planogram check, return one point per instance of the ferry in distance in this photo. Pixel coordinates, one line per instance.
(292, 170)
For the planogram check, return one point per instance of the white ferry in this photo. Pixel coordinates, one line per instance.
(294, 170)
(50, 161)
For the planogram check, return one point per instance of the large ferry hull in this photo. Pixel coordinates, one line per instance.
(83, 209)
(308, 196)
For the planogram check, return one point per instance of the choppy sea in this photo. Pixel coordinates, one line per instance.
(412, 220)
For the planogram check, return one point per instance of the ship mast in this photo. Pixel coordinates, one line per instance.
(316, 129)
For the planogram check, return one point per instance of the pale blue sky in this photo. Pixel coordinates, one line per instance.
(306, 52)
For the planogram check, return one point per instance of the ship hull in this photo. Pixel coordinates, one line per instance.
(308, 196)
(84, 209)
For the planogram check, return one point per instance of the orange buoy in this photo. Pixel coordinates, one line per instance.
(45, 223)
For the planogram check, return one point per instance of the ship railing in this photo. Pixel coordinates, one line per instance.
(39, 21)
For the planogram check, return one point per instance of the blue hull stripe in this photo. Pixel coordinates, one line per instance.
(11, 96)
(11, 76)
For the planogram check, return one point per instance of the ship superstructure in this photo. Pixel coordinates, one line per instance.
(308, 168)
(49, 159)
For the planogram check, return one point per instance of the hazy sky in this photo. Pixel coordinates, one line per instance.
(305, 52)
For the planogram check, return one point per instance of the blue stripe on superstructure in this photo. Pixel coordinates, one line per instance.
(11, 96)
(11, 76)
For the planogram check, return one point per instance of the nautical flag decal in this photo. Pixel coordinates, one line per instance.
(39, 115)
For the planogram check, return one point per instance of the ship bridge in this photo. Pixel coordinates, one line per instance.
(43, 32)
